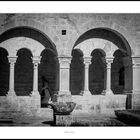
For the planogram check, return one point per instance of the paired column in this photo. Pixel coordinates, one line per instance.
(12, 61)
(87, 62)
(64, 75)
(108, 76)
(136, 75)
(36, 61)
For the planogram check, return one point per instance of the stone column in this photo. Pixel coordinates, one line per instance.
(136, 75)
(64, 75)
(108, 76)
(36, 61)
(87, 62)
(12, 61)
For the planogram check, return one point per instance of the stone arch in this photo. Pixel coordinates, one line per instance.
(121, 73)
(4, 72)
(29, 32)
(24, 48)
(30, 23)
(23, 72)
(111, 35)
(76, 72)
(107, 34)
(49, 68)
(97, 72)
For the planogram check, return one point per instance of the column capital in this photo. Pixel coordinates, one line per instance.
(36, 59)
(12, 59)
(109, 59)
(64, 61)
(136, 62)
(87, 60)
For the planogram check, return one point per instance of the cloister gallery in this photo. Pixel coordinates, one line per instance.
(90, 59)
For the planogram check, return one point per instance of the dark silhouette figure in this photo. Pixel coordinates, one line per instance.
(46, 92)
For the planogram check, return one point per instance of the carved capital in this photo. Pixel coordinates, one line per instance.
(136, 62)
(12, 60)
(87, 61)
(109, 60)
(64, 61)
(36, 59)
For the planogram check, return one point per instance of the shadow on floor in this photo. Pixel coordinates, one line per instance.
(51, 123)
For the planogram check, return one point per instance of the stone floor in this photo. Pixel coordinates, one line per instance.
(78, 119)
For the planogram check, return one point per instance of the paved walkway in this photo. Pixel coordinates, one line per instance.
(78, 119)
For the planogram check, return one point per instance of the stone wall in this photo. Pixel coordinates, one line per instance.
(75, 25)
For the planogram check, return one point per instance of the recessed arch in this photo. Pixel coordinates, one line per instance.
(24, 72)
(4, 72)
(76, 72)
(97, 72)
(28, 50)
(30, 32)
(108, 34)
(48, 68)
(101, 51)
(121, 73)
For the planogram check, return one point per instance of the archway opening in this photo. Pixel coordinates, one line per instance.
(23, 73)
(49, 68)
(107, 34)
(118, 40)
(4, 72)
(30, 32)
(97, 72)
(76, 72)
(121, 73)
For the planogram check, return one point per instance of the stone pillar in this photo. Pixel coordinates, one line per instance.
(35, 96)
(36, 61)
(87, 62)
(108, 76)
(64, 75)
(12, 61)
(136, 75)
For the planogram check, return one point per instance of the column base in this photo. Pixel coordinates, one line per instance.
(86, 93)
(12, 100)
(108, 92)
(64, 93)
(36, 100)
(103, 92)
(64, 96)
(136, 91)
(11, 93)
(35, 93)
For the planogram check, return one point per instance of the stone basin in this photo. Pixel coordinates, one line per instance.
(63, 108)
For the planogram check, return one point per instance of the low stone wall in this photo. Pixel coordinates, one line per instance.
(99, 103)
(25, 105)
(134, 101)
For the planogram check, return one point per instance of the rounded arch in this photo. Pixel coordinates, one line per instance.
(101, 51)
(28, 50)
(49, 69)
(30, 32)
(24, 72)
(121, 73)
(4, 72)
(108, 34)
(77, 50)
(76, 72)
(97, 71)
